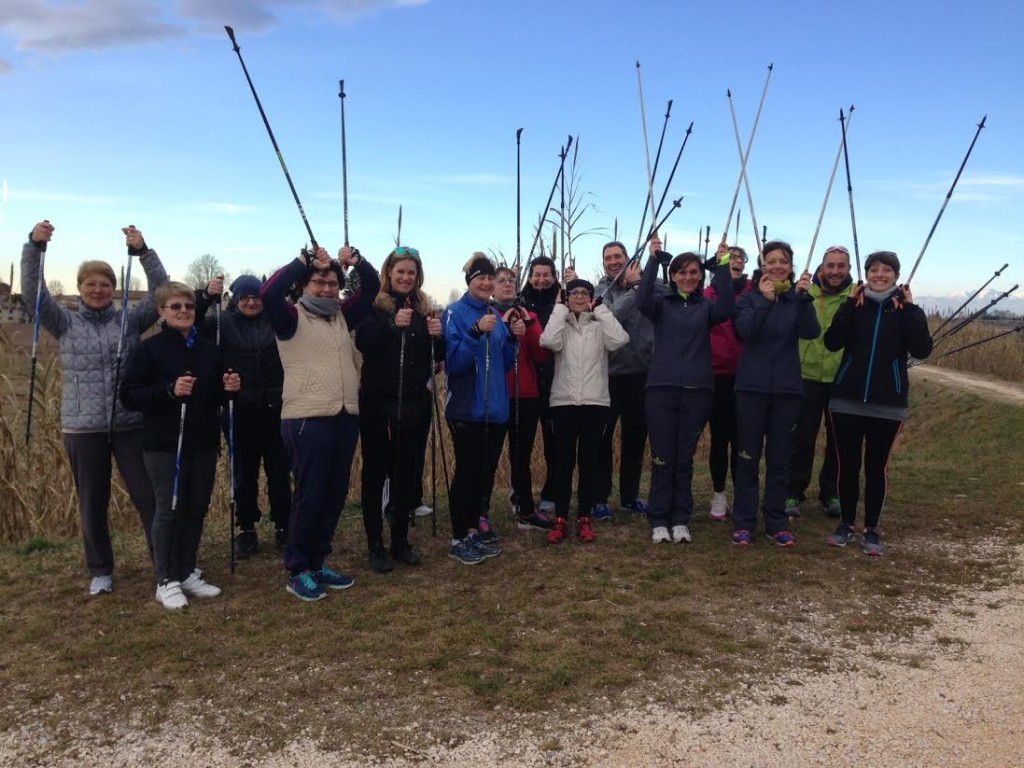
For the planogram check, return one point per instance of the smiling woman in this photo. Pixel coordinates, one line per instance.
(89, 340)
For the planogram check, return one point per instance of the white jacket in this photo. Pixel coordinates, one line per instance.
(581, 346)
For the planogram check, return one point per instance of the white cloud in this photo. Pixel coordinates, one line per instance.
(58, 26)
(5, 67)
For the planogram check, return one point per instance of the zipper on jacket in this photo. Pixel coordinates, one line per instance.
(78, 395)
(871, 357)
(896, 375)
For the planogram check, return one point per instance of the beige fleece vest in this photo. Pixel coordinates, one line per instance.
(320, 373)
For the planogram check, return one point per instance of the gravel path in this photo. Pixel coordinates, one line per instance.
(989, 389)
(949, 696)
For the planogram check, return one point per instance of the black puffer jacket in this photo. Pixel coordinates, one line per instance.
(877, 338)
(250, 349)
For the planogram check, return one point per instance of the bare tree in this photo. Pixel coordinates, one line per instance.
(136, 284)
(202, 270)
(55, 287)
(454, 295)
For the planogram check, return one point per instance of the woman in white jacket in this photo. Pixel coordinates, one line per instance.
(581, 337)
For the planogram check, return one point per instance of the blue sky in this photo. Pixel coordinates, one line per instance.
(137, 111)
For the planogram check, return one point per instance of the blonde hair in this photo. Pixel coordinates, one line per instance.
(101, 268)
(476, 255)
(168, 291)
(384, 300)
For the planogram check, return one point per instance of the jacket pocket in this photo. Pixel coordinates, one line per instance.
(896, 376)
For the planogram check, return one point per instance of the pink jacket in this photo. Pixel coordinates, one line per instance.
(725, 344)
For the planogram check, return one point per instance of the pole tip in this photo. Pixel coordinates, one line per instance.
(519, 132)
(728, 93)
(341, 89)
(638, 63)
(771, 66)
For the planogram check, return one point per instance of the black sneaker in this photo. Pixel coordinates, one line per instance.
(246, 544)
(404, 553)
(379, 560)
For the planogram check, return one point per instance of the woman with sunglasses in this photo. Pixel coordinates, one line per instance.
(725, 357)
(177, 380)
(250, 349)
(400, 340)
(89, 340)
(524, 403)
(480, 352)
(581, 336)
(771, 319)
(320, 403)
(680, 382)
(877, 328)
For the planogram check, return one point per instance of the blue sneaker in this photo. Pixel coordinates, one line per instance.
(742, 538)
(843, 535)
(485, 531)
(782, 538)
(464, 553)
(483, 548)
(600, 512)
(872, 543)
(304, 587)
(637, 507)
(325, 577)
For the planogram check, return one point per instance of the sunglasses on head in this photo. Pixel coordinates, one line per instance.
(403, 251)
(177, 306)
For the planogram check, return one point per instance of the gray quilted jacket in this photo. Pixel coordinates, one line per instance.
(635, 357)
(88, 345)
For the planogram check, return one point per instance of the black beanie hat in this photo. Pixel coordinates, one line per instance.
(883, 257)
(477, 267)
(579, 282)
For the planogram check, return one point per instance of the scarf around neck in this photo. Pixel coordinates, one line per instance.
(879, 296)
(319, 305)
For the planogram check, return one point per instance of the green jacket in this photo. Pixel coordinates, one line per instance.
(816, 362)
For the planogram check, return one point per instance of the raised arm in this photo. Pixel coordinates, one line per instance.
(360, 303)
(284, 318)
(613, 335)
(646, 297)
(553, 336)
(52, 316)
(144, 314)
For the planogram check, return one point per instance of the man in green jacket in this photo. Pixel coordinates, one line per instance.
(830, 288)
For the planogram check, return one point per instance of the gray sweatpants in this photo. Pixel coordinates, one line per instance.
(90, 456)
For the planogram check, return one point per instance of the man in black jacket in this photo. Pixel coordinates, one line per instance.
(247, 340)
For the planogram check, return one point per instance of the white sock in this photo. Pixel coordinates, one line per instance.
(719, 495)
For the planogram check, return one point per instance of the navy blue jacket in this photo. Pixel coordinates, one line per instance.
(877, 338)
(682, 329)
(770, 362)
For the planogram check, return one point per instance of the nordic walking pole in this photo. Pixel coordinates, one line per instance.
(561, 204)
(739, 215)
(647, 148)
(120, 345)
(707, 240)
(396, 465)
(519, 201)
(746, 155)
(544, 212)
(654, 173)
(672, 174)
(743, 176)
(828, 192)
(1018, 329)
(232, 507)
(970, 298)
(963, 323)
(849, 192)
(266, 123)
(676, 204)
(177, 456)
(945, 202)
(40, 285)
(398, 235)
(344, 159)
(517, 477)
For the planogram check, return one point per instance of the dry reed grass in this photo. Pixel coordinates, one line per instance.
(1001, 359)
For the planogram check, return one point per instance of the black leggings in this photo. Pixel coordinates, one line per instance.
(873, 437)
(578, 431)
(476, 457)
(722, 454)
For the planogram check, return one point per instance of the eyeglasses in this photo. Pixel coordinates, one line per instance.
(249, 298)
(177, 306)
(579, 293)
(321, 284)
(505, 280)
(403, 251)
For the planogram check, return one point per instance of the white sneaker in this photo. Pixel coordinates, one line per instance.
(101, 585)
(660, 534)
(719, 507)
(423, 511)
(170, 596)
(681, 533)
(196, 586)
(547, 506)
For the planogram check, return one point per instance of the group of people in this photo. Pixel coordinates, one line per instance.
(296, 377)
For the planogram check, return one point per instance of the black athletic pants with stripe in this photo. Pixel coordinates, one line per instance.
(875, 437)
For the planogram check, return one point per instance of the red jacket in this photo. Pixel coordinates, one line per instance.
(725, 344)
(530, 354)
